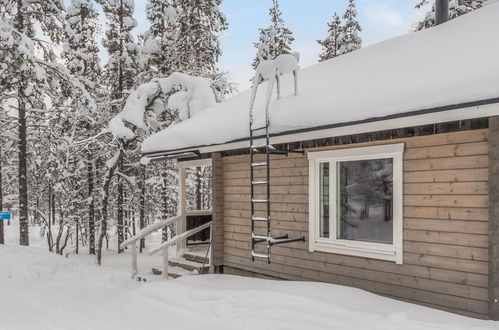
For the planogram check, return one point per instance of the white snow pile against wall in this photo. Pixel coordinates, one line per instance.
(43, 291)
(450, 64)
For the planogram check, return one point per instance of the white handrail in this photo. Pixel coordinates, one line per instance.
(179, 237)
(149, 229)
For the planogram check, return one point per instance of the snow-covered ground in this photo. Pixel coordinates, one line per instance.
(39, 290)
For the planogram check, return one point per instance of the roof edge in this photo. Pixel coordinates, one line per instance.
(461, 111)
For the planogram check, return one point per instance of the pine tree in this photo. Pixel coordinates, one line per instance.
(350, 39)
(81, 55)
(81, 51)
(198, 46)
(274, 40)
(456, 9)
(30, 77)
(331, 45)
(119, 73)
(162, 36)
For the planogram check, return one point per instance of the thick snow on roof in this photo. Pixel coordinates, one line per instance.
(454, 63)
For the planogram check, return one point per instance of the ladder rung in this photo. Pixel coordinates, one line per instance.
(259, 128)
(261, 237)
(259, 218)
(259, 182)
(259, 200)
(258, 255)
(258, 164)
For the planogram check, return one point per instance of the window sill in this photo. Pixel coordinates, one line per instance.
(364, 250)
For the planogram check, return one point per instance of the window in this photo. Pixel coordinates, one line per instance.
(356, 201)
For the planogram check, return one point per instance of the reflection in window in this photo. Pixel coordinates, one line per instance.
(324, 200)
(365, 200)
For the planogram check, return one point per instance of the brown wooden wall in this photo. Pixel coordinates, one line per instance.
(445, 225)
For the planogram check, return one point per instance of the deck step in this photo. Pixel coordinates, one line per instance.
(196, 258)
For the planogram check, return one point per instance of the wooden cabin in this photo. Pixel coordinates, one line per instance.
(396, 190)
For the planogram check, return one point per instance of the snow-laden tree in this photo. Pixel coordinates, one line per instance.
(80, 49)
(158, 49)
(331, 45)
(81, 55)
(122, 66)
(456, 9)
(198, 46)
(349, 38)
(30, 77)
(274, 40)
(119, 75)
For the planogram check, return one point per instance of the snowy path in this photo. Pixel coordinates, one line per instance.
(44, 291)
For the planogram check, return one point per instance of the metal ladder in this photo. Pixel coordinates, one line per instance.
(268, 150)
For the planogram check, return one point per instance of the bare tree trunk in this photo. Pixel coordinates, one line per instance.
(105, 204)
(22, 144)
(91, 208)
(120, 206)
(142, 220)
(77, 236)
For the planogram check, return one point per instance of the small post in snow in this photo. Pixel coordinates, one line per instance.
(165, 262)
(3, 216)
(134, 259)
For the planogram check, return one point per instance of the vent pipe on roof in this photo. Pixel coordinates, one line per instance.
(441, 11)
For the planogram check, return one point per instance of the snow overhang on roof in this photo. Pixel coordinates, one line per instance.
(449, 72)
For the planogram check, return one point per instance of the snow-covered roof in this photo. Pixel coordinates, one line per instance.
(448, 72)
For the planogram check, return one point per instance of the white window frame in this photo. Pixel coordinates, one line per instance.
(392, 252)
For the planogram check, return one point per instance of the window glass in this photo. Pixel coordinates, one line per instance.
(365, 200)
(324, 200)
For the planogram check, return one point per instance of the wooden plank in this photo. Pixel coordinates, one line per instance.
(276, 181)
(446, 188)
(415, 271)
(464, 239)
(277, 207)
(466, 162)
(447, 200)
(493, 307)
(262, 189)
(450, 226)
(448, 138)
(286, 216)
(274, 198)
(450, 150)
(452, 251)
(456, 175)
(280, 172)
(464, 265)
(446, 213)
(274, 163)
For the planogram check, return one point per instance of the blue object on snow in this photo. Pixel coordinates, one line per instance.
(5, 215)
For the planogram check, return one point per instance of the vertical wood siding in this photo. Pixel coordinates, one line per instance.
(445, 225)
